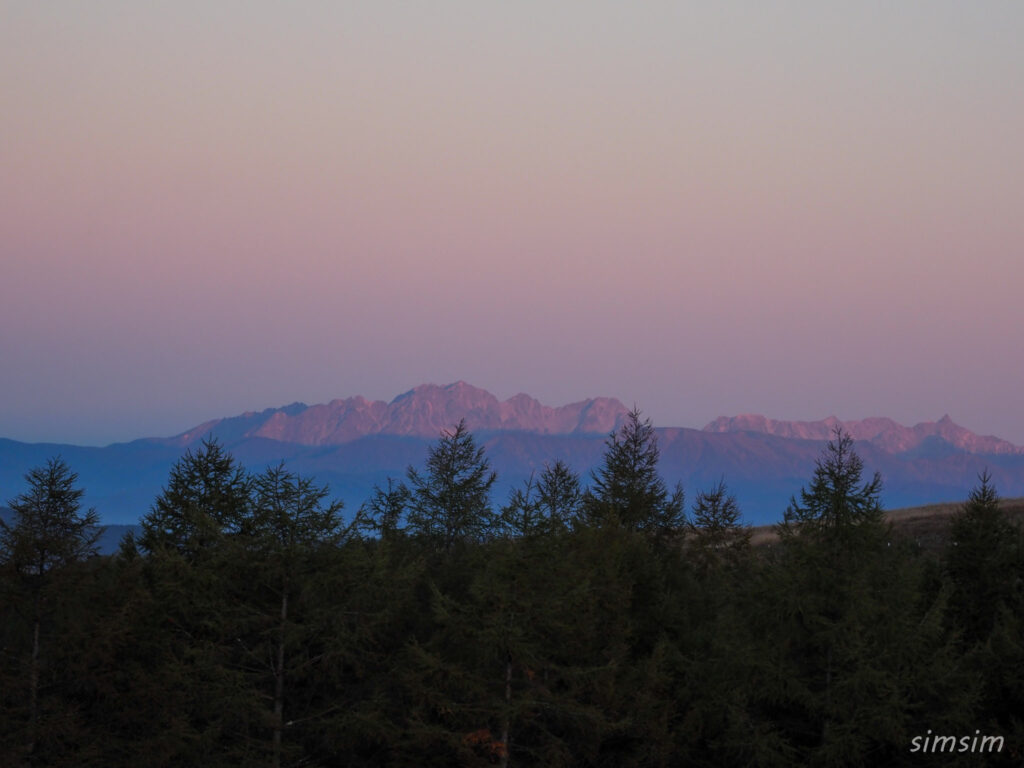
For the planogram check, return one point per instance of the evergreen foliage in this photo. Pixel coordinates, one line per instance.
(206, 496)
(546, 506)
(560, 496)
(384, 512)
(291, 529)
(256, 627)
(627, 489)
(836, 499)
(982, 561)
(718, 536)
(49, 535)
(449, 501)
(50, 530)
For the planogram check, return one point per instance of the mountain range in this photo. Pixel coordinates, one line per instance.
(423, 411)
(354, 443)
(883, 433)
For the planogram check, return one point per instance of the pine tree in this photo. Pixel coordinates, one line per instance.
(191, 537)
(450, 501)
(49, 533)
(860, 650)
(984, 567)
(206, 496)
(292, 523)
(627, 489)
(548, 505)
(384, 512)
(49, 529)
(980, 561)
(560, 495)
(838, 506)
(717, 533)
(521, 516)
(512, 663)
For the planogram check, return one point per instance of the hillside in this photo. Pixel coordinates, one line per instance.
(927, 526)
(353, 444)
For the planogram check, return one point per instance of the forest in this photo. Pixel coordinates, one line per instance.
(612, 620)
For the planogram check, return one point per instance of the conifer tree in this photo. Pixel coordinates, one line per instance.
(191, 538)
(560, 495)
(859, 650)
(521, 516)
(450, 500)
(627, 489)
(206, 496)
(384, 512)
(838, 506)
(547, 505)
(984, 565)
(49, 532)
(718, 535)
(291, 527)
(981, 561)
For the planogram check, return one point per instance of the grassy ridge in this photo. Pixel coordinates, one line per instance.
(927, 525)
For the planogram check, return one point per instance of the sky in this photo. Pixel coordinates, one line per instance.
(790, 208)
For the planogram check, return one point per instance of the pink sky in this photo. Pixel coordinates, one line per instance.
(799, 210)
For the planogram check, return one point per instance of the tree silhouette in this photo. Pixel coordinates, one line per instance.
(547, 505)
(718, 535)
(291, 523)
(627, 489)
(384, 512)
(207, 495)
(980, 558)
(49, 532)
(559, 495)
(450, 500)
(837, 505)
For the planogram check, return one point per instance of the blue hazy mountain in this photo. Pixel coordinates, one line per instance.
(353, 444)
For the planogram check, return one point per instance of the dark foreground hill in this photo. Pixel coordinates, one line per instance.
(353, 444)
(926, 526)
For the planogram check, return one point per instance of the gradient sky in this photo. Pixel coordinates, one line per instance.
(793, 208)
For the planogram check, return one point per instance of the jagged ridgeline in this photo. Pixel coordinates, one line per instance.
(354, 444)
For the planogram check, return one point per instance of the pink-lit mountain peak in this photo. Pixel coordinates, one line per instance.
(429, 409)
(883, 433)
(424, 411)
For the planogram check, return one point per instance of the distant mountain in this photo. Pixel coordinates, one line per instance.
(353, 444)
(423, 411)
(883, 433)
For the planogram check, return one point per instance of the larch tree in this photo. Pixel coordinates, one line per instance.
(627, 489)
(292, 523)
(718, 535)
(982, 561)
(546, 505)
(190, 537)
(844, 613)
(984, 568)
(839, 506)
(384, 512)
(450, 501)
(206, 496)
(48, 533)
(560, 495)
